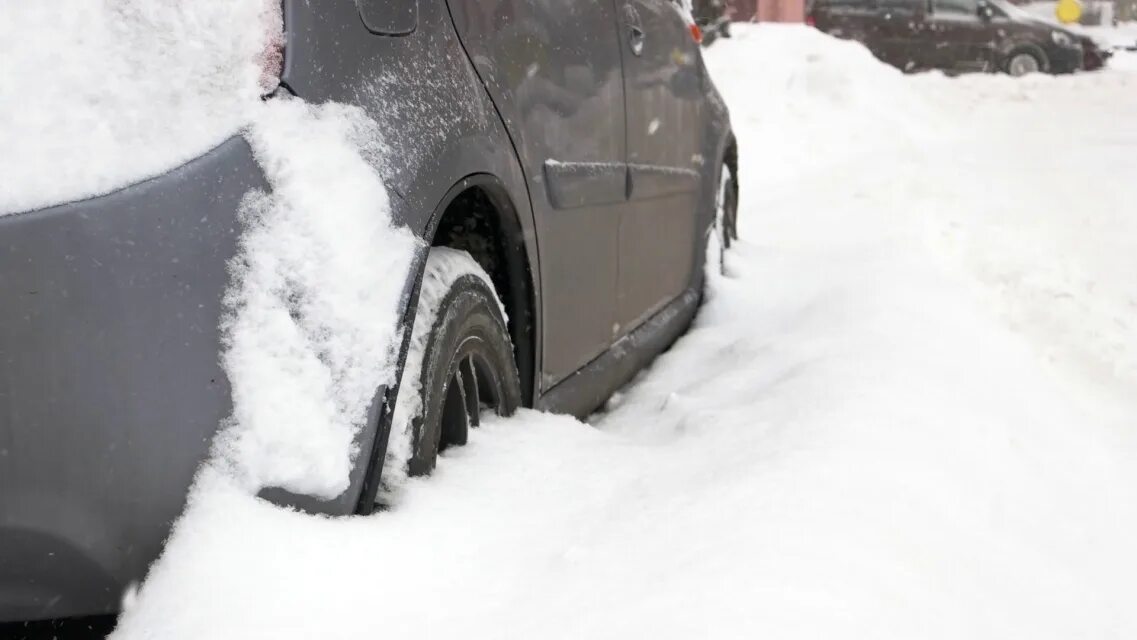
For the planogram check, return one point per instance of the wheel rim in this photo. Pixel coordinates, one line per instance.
(1023, 64)
(474, 386)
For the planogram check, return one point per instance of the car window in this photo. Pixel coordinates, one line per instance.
(860, 5)
(955, 8)
(899, 6)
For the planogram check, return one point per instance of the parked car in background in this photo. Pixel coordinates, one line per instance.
(713, 18)
(588, 130)
(956, 36)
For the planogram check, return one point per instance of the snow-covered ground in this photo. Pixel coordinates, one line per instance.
(909, 410)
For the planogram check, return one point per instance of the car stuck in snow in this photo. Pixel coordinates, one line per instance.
(514, 199)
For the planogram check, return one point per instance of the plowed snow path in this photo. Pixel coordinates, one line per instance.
(907, 412)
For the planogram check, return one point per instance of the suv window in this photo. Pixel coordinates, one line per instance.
(860, 5)
(870, 5)
(956, 8)
(902, 6)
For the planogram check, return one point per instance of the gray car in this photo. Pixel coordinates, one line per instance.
(585, 186)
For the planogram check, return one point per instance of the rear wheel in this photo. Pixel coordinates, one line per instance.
(467, 365)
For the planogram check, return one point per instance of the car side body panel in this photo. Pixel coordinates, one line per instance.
(553, 71)
(110, 387)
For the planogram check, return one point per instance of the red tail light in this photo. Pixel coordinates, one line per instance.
(810, 22)
(696, 33)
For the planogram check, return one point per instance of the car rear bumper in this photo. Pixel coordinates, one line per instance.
(110, 386)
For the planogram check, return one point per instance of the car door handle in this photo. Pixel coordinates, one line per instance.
(636, 35)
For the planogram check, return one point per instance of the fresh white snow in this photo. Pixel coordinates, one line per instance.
(96, 94)
(314, 303)
(909, 409)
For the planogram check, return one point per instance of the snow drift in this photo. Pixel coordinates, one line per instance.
(859, 438)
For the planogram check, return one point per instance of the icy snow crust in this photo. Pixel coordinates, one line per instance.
(99, 94)
(897, 416)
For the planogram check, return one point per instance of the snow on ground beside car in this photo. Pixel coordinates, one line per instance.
(99, 95)
(1056, 244)
(905, 412)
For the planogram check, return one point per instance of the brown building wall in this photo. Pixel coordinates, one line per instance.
(769, 10)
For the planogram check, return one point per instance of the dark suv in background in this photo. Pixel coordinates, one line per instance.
(956, 35)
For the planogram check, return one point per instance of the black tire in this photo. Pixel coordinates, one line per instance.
(467, 368)
(726, 198)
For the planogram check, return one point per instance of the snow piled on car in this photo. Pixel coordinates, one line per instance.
(98, 95)
(865, 434)
(311, 334)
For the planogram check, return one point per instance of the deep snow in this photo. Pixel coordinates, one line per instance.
(907, 411)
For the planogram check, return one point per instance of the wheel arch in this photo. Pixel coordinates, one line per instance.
(483, 200)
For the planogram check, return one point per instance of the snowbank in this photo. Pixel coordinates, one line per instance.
(836, 89)
(860, 437)
(98, 95)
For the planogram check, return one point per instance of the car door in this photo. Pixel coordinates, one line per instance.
(850, 20)
(962, 41)
(899, 23)
(664, 93)
(553, 70)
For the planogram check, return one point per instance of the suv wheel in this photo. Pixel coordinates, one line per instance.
(465, 362)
